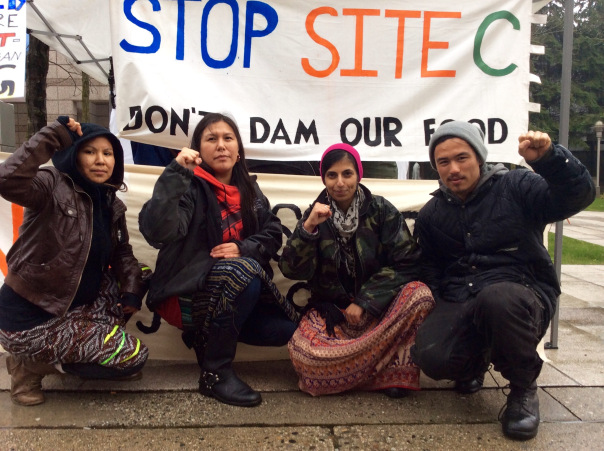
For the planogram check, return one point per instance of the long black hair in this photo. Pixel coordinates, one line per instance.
(240, 177)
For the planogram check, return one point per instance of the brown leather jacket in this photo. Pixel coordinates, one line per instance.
(46, 262)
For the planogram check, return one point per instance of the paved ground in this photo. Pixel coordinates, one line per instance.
(164, 411)
(586, 226)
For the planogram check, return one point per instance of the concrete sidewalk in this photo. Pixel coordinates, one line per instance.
(585, 226)
(164, 410)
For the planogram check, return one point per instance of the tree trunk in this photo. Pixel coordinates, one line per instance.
(85, 98)
(35, 90)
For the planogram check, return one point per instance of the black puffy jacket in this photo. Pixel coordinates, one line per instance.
(496, 235)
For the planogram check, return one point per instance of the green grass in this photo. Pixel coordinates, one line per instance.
(577, 252)
(597, 205)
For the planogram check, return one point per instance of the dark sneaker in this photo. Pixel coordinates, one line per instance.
(395, 392)
(470, 386)
(520, 419)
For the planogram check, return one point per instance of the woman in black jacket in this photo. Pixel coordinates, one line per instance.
(216, 234)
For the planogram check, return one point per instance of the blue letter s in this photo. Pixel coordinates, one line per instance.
(154, 47)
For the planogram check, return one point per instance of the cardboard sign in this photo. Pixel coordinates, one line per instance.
(12, 50)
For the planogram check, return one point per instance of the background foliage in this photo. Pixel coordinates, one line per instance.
(587, 91)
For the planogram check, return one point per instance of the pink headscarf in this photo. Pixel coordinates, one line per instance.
(347, 148)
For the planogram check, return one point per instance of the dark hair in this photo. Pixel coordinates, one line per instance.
(442, 139)
(240, 176)
(333, 157)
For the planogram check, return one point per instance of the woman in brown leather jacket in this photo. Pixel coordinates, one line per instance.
(72, 277)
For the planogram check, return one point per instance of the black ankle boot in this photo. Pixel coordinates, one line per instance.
(520, 419)
(218, 380)
(226, 387)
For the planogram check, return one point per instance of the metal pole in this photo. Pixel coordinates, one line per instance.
(599, 128)
(598, 168)
(567, 53)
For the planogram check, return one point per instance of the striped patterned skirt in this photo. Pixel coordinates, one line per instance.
(227, 280)
(373, 355)
(93, 333)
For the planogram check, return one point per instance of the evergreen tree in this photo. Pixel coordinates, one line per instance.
(587, 87)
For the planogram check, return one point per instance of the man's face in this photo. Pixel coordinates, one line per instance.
(457, 166)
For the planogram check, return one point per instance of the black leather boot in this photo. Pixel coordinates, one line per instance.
(520, 419)
(218, 380)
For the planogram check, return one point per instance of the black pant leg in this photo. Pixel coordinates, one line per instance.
(512, 320)
(246, 302)
(267, 325)
(447, 345)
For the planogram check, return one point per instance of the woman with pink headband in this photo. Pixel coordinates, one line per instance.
(361, 263)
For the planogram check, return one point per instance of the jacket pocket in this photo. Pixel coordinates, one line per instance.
(41, 277)
(66, 219)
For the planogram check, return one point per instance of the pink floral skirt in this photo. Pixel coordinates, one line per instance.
(370, 356)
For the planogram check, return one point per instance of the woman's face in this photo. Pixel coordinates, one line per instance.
(341, 181)
(95, 159)
(219, 149)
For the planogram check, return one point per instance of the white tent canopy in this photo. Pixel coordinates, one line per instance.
(78, 30)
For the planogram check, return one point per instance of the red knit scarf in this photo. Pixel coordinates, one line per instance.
(229, 201)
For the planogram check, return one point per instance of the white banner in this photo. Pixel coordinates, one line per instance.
(299, 76)
(12, 50)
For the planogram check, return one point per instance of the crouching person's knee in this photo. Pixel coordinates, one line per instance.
(440, 360)
(124, 363)
(430, 359)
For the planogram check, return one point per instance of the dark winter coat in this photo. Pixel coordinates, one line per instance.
(496, 235)
(182, 219)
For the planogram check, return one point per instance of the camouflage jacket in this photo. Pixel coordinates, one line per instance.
(386, 257)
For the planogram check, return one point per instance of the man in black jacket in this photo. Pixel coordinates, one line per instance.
(493, 281)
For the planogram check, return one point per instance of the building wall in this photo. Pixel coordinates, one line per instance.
(7, 127)
(64, 97)
(20, 123)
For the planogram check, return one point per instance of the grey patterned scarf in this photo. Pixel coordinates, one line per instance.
(346, 224)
